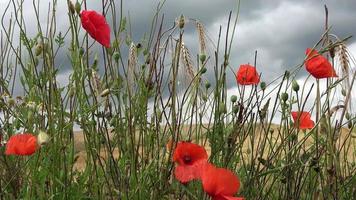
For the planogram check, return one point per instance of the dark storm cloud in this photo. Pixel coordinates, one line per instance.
(280, 30)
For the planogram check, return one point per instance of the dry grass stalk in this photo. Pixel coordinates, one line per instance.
(345, 69)
(95, 82)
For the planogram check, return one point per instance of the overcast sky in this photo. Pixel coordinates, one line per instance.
(280, 30)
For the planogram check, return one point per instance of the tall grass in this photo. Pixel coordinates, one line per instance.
(132, 99)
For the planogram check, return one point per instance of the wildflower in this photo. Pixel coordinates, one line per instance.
(318, 66)
(220, 183)
(21, 144)
(302, 120)
(190, 158)
(247, 75)
(97, 27)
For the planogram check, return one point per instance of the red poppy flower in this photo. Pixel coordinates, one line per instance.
(95, 24)
(302, 119)
(220, 183)
(190, 158)
(247, 75)
(318, 66)
(21, 144)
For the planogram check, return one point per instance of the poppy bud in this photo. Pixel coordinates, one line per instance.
(233, 98)
(286, 74)
(81, 51)
(116, 56)
(205, 98)
(222, 108)
(42, 138)
(284, 96)
(207, 85)
(295, 86)
(71, 7)
(105, 93)
(263, 85)
(202, 58)
(203, 70)
(78, 7)
(343, 92)
(181, 22)
(38, 49)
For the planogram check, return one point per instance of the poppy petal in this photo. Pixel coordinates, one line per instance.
(302, 120)
(187, 173)
(21, 144)
(219, 181)
(247, 75)
(187, 153)
(97, 27)
(318, 66)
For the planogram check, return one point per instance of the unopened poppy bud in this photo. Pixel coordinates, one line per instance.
(42, 138)
(343, 92)
(181, 22)
(233, 98)
(81, 51)
(205, 98)
(295, 86)
(286, 74)
(207, 85)
(222, 108)
(263, 85)
(202, 58)
(203, 70)
(78, 7)
(284, 96)
(116, 56)
(105, 93)
(71, 7)
(38, 49)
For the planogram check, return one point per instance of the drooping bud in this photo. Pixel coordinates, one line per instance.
(295, 86)
(284, 96)
(78, 7)
(203, 70)
(202, 58)
(71, 7)
(42, 138)
(233, 98)
(207, 85)
(116, 56)
(263, 85)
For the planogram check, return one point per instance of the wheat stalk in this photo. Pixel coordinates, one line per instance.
(187, 61)
(201, 36)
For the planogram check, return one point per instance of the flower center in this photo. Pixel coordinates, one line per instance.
(187, 159)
